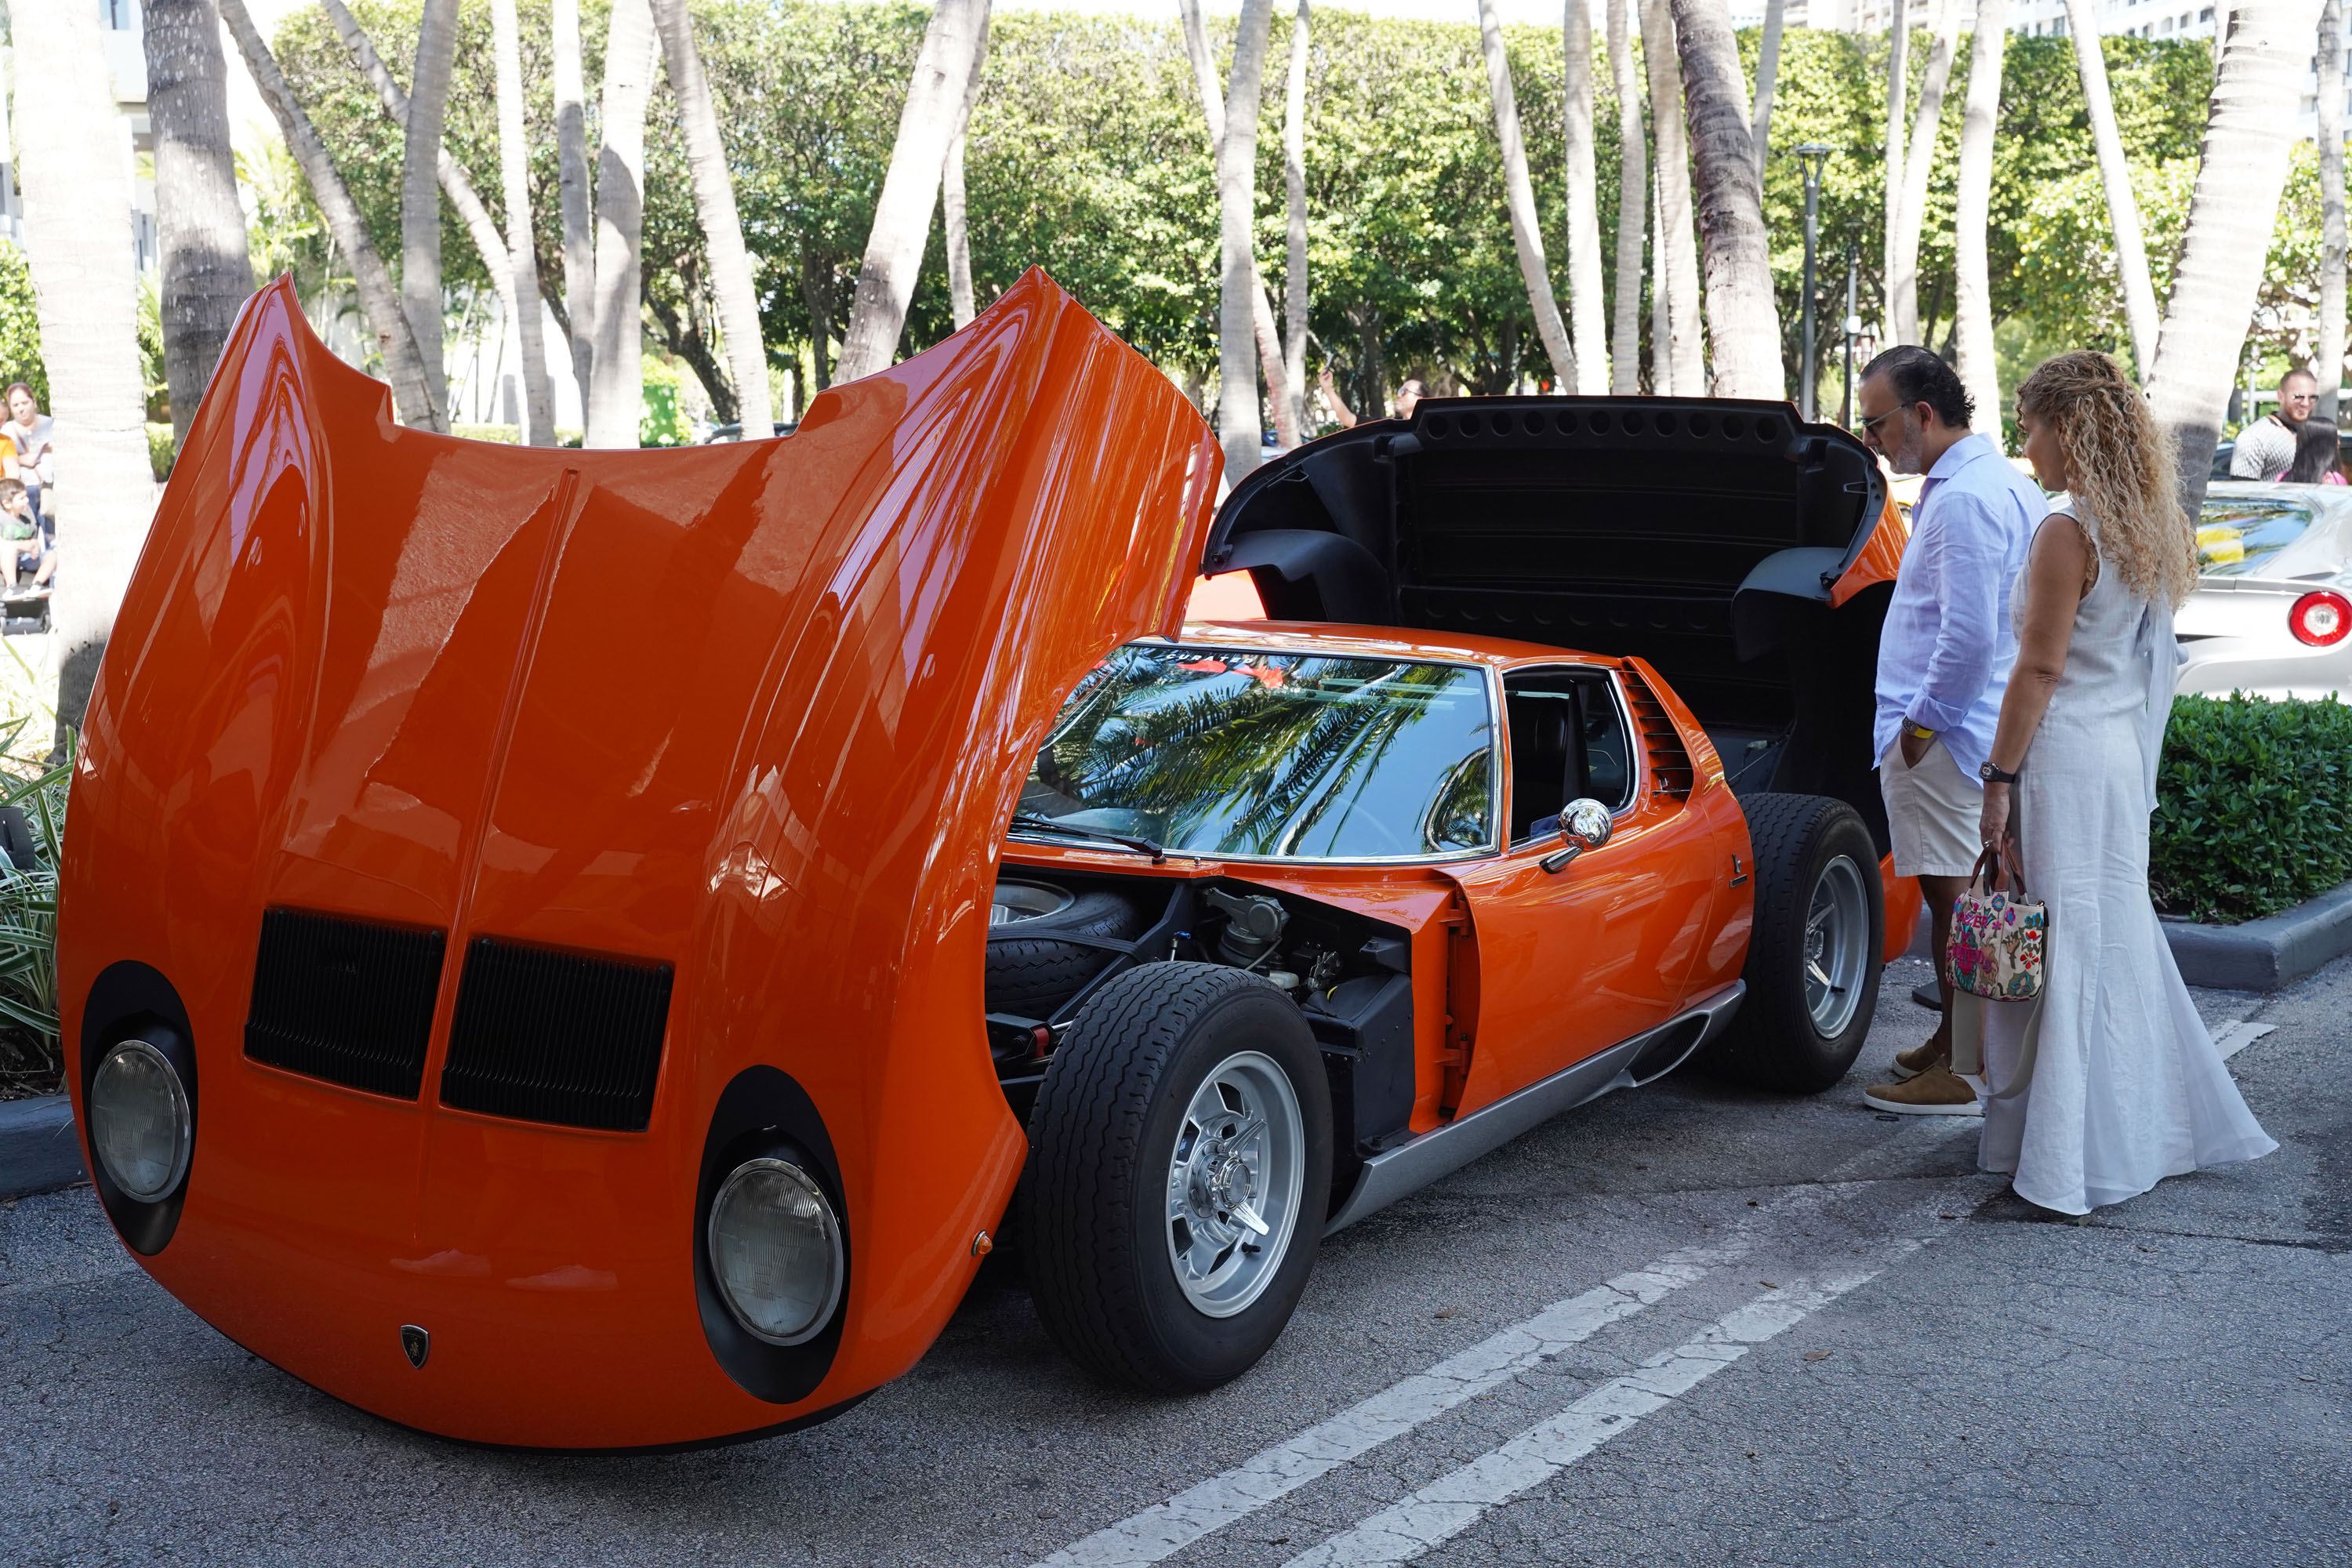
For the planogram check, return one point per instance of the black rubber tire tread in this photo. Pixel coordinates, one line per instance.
(1031, 974)
(1771, 1042)
(1088, 1137)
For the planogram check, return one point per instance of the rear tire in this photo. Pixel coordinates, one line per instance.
(1814, 955)
(1119, 1142)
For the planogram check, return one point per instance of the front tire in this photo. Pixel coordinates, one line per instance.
(1814, 955)
(1179, 1173)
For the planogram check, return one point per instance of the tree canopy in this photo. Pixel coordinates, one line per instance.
(1088, 156)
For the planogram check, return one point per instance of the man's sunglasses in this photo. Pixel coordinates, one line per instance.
(1870, 427)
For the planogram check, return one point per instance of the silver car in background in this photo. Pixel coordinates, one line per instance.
(2271, 613)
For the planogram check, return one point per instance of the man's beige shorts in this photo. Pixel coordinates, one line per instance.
(1935, 813)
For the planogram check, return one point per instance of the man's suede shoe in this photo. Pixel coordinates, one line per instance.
(1939, 1092)
(1910, 1064)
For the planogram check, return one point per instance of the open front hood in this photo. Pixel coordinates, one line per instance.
(1614, 525)
(757, 711)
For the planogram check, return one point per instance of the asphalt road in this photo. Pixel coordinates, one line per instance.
(1682, 1326)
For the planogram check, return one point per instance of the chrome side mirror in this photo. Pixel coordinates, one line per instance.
(1584, 824)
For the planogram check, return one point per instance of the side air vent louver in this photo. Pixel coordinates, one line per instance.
(563, 1038)
(1671, 773)
(343, 1000)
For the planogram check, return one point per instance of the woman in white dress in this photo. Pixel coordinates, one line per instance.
(2111, 1082)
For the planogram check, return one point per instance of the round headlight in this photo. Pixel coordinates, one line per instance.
(776, 1245)
(139, 1121)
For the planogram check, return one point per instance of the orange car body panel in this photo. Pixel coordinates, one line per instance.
(381, 673)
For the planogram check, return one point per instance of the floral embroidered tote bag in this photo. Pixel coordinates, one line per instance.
(1998, 936)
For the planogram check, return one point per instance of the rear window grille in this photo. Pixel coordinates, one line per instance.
(1671, 773)
(343, 1000)
(563, 1038)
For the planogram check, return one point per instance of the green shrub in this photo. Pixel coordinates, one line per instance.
(2254, 808)
(30, 1062)
(162, 450)
(504, 435)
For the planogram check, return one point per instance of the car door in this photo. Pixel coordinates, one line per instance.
(1565, 962)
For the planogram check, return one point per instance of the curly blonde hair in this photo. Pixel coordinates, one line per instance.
(2121, 468)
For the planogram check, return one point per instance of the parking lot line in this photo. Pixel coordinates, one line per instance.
(1455, 1501)
(1168, 1527)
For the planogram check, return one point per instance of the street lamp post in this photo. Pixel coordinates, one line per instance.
(1853, 325)
(1814, 155)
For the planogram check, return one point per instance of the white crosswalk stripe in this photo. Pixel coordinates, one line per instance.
(1166, 1528)
(1455, 1501)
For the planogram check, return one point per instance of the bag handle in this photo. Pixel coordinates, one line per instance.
(1999, 864)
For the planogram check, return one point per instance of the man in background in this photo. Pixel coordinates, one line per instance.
(2265, 448)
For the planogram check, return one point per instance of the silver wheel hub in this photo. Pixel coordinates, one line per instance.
(1837, 946)
(1235, 1179)
(1017, 901)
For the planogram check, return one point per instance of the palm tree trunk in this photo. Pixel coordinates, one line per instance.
(522, 260)
(616, 365)
(199, 226)
(1678, 260)
(411, 394)
(2247, 135)
(1519, 198)
(2115, 174)
(1743, 322)
(722, 228)
(420, 195)
(1919, 163)
(1633, 199)
(1662, 358)
(482, 228)
(954, 219)
(1768, 73)
(918, 158)
(76, 174)
(1972, 211)
(1898, 99)
(1293, 273)
(2329, 352)
(1587, 309)
(1239, 429)
(1212, 115)
(575, 190)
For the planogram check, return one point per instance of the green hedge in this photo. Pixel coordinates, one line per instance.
(2254, 808)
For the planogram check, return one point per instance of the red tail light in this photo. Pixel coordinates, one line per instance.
(2320, 619)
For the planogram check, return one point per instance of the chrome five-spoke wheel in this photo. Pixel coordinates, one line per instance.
(1234, 1181)
(1837, 945)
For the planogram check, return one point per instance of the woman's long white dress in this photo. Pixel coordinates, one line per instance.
(2113, 1083)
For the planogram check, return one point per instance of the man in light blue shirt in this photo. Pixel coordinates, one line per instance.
(1944, 658)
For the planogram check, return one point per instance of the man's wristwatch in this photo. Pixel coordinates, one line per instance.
(1992, 776)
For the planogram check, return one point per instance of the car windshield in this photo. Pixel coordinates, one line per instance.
(2237, 536)
(1243, 752)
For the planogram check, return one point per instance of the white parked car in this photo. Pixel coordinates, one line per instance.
(2271, 615)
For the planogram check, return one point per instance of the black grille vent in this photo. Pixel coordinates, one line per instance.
(542, 1035)
(1671, 773)
(344, 1000)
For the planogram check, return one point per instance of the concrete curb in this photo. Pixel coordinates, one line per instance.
(2265, 954)
(39, 1150)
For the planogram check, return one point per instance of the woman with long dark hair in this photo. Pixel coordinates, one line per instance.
(2108, 1082)
(2318, 455)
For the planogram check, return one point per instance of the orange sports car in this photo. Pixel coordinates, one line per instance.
(542, 1033)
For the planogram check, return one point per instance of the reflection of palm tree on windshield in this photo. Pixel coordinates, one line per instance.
(1279, 756)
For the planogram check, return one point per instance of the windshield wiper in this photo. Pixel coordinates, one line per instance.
(1036, 824)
